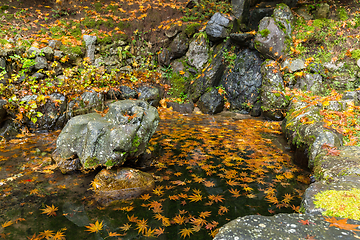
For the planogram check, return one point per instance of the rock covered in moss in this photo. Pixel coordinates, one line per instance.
(122, 183)
(106, 141)
(274, 102)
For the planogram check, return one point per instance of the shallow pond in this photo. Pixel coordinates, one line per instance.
(208, 169)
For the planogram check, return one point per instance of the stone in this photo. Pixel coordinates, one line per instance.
(259, 13)
(58, 55)
(151, 94)
(242, 82)
(40, 63)
(198, 53)
(311, 82)
(108, 141)
(2, 110)
(241, 10)
(282, 226)
(90, 42)
(211, 102)
(242, 39)
(123, 92)
(293, 65)
(86, 103)
(272, 95)
(37, 76)
(55, 44)
(322, 11)
(270, 39)
(179, 46)
(164, 57)
(303, 12)
(284, 18)
(48, 53)
(181, 107)
(211, 76)
(32, 52)
(218, 27)
(121, 184)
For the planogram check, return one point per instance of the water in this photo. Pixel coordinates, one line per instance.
(209, 170)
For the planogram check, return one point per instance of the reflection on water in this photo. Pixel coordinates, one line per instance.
(209, 170)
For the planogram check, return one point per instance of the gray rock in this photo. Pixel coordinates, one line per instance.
(311, 82)
(123, 92)
(57, 68)
(241, 10)
(90, 42)
(293, 65)
(40, 63)
(211, 102)
(32, 52)
(241, 39)
(181, 108)
(304, 13)
(282, 226)
(259, 13)
(114, 185)
(58, 54)
(151, 94)
(55, 44)
(2, 64)
(332, 67)
(99, 62)
(270, 39)
(242, 82)
(164, 57)
(38, 76)
(217, 27)
(2, 110)
(284, 18)
(106, 141)
(179, 46)
(322, 10)
(272, 94)
(86, 103)
(198, 53)
(211, 76)
(48, 52)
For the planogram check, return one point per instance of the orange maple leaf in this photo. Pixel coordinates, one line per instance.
(341, 223)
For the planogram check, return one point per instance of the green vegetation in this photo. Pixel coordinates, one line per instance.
(265, 32)
(344, 204)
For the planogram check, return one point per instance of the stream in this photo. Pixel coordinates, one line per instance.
(208, 170)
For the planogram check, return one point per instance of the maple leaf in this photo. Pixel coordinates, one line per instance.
(341, 223)
(158, 231)
(46, 234)
(50, 211)
(217, 198)
(222, 210)
(125, 227)
(94, 228)
(59, 236)
(195, 197)
(132, 218)
(142, 226)
(178, 219)
(185, 232)
(205, 214)
(6, 224)
(114, 234)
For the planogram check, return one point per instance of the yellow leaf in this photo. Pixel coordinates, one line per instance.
(50, 211)
(6, 224)
(95, 227)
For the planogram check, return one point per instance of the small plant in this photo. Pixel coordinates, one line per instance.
(265, 32)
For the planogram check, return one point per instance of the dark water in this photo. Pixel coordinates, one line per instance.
(209, 170)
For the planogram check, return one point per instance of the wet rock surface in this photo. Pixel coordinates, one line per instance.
(122, 183)
(283, 226)
(106, 141)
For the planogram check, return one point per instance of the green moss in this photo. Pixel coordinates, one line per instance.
(265, 32)
(91, 162)
(109, 163)
(191, 29)
(342, 204)
(342, 14)
(355, 54)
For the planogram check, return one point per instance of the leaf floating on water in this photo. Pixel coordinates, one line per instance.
(94, 228)
(50, 211)
(185, 232)
(341, 223)
(6, 224)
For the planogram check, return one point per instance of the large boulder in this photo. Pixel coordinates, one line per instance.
(211, 102)
(123, 183)
(211, 75)
(274, 102)
(90, 140)
(241, 10)
(90, 42)
(242, 81)
(270, 39)
(179, 46)
(283, 226)
(151, 94)
(218, 27)
(284, 18)
(86, 103)
(198, 53)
